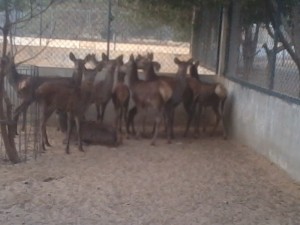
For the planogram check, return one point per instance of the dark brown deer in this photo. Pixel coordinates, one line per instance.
(102, 90)
(25, 85)
(147, 95)
(92, 132)
(120, 98)
(69, 98)
(178, 85)
(205, 95)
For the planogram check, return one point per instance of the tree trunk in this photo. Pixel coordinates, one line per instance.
(249, 48)
(7, 137)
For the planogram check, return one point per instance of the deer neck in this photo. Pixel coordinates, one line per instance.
(77, 76)
(133, 75)
(13, 76)
(194, 73)
(180, 86)
(109, 78)
(150, 73)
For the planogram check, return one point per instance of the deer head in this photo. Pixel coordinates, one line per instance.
(182, 65)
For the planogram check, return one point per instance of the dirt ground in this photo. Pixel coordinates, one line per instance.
(204, 181)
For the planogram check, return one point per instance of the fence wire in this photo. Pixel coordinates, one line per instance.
(28, 141)
(82, 27)
(252, 48)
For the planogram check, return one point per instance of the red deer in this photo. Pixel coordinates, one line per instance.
(147, 95)
(69, 98)
(178, 85)
(25, 85)
(120, 98)
(102, 90)
(206, 95)
(92, 132)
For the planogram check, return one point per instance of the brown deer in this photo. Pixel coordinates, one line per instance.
(147, 95)
(120, 99)
(178, 85)
(92, 132)
(102, 90)
(205, 95)
(25, 85)
(69, 98)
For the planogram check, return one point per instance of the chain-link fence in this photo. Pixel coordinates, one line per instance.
(205, 41)
(82, 27)
(265, 54)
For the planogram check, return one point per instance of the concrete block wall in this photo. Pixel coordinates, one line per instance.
(268, 124)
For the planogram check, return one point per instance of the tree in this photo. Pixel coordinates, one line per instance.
(32, 9)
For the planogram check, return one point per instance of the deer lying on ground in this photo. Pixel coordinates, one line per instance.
(205, 95)
(92, 132)
(69, 98)
(178, 85)
(147, 95)
(25, 85)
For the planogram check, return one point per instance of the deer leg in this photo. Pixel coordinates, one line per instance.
(168, 123)
(120, 118)
(69, 131)
(45, 116)
(218, 117)
(197, 119)
(126, 116)
(222, 118)
(78, 127)
(103, 107)
(24, 120)
(98, 111)
(140, 118)
(190, 114)
(22, 108)
(130, 120)
(204, 122)
(157, 123)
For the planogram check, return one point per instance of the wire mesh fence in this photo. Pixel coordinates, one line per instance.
(82, 27)
(207, 22)
(27, 141)
(261, 53)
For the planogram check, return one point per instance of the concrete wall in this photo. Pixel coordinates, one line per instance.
(268, 124)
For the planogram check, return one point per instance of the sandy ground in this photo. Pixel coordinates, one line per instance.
(204, 181)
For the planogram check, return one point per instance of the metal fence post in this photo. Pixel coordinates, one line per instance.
(109, 19)
(274, 50)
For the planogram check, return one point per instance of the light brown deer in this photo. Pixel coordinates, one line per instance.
(206, 95)
(102, 90)
(25, 85)
(147, 95)
(178, 85)
(69, 98)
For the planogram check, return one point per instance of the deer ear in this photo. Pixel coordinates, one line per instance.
(190, 61)
(104, 57)
(72, 57)
(120, 58)
(131, 58)
(177, 61)
(150, 56)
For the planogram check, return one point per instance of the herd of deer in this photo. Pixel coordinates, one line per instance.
(70, 97)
